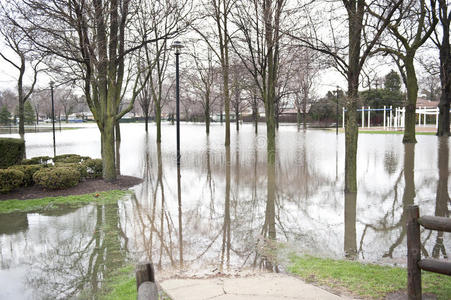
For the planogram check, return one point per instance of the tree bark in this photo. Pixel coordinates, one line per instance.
(412, 94)
(118, 147)
(158, 119)
(108, 157)
(207, 113)
(445, 74)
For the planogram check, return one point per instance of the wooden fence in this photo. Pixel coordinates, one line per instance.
(145, 282)
(414, 262)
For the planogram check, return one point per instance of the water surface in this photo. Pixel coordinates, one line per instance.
(234, 210)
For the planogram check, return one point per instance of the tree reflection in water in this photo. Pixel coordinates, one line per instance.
(78, 265)
(442, 197)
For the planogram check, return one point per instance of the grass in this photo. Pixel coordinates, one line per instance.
(122, 285)
(49, 203)
(393, 132)
(364, 280)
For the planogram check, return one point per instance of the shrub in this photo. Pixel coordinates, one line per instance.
(10, 180)
(12, 151)
(79, 166)
(57, 177)
(28, 171)
(38, 160)
(69, 158)
(94, 167)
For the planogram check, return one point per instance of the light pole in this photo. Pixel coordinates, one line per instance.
(177, 45)
(336, 123)
(53, 118)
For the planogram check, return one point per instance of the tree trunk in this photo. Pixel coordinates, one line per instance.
(118, 147)
(412, 94)
(158, 119)
(298, 117)
(445, 76)
(237, 118)
(207, 114)
(109, 166)
(255, 114)
(146, 121)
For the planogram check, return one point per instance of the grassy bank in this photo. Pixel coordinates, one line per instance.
(122, 286)
(364, 280)
(393, 132)
(8, 206)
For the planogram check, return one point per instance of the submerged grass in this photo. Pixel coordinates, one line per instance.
(365, 280)
(49, 203)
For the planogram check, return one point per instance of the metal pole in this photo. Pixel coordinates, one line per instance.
(336, 124)
(53, 123)
(177, 103)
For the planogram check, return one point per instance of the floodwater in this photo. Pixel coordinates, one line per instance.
(233, 211)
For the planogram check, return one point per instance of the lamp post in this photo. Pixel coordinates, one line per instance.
(336, 123)
(53, 118)
(177, 45)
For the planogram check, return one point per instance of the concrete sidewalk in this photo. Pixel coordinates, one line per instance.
(267, 286)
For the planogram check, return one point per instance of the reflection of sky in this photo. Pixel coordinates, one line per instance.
(309, 197)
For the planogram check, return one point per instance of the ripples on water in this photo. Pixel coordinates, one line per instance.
(235, 210)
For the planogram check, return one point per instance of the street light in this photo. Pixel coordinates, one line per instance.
(177, 45)
(53, 118)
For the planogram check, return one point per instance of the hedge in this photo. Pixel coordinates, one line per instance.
(94, 167)
(10, 180)
(79, 166)
(28, 171)
(11, 151)
(38, 160)
(69, 158)
(60, 177)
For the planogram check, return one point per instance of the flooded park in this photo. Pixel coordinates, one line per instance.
(233, 212)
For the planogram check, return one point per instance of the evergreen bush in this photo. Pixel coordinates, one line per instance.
(59, 177)
(12, 151)
(10, 180)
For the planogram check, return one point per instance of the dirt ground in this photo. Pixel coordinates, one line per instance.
(84, 187)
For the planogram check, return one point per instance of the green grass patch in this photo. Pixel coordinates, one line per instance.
(393, 132)
(49, 203)
(365, 280)
(122, 286)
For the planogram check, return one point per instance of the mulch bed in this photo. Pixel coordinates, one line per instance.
(84, 187)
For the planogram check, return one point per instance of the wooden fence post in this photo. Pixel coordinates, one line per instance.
(413, 254)
(145, 282)
(144, 272)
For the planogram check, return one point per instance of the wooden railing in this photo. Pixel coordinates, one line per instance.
(145, 282)
(414, 262)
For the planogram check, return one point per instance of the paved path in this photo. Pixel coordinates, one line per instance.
(262, 286)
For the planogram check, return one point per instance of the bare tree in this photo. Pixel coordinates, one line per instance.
(202, 81)
(445, 68)
(22, 57)
(407, 32)
(95, 38)
(348, 52)
(218, 39)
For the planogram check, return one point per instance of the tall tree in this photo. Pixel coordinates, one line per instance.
(348, 55)
(95, 38)
(413, 25)
(21, 58)
(445, 69)
(219, 11)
